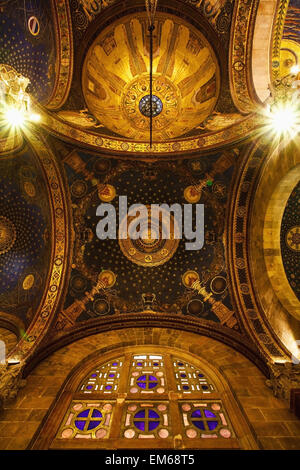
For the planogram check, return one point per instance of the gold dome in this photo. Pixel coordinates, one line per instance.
(186, 77)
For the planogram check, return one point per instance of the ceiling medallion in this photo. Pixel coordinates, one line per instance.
(145, 108)
(152, 249)
(293, 238)
(118, 80)
(7, 235)
(165, 103)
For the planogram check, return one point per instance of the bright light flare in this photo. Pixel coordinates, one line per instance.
(35, 117)
(295, 69)
(284, 119)
(14, 117)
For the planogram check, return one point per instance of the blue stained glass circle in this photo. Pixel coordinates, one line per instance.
(212, 425)
(153, 425)
(93, 424)
(83, 414)
(153, 414)
(144, 106)
(209, 414)
(140, 425)
(199, 425)
(80, 425)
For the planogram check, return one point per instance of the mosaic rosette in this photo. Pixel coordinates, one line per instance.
(205, 420)
(147, 375)
(146, 421)
(87, 420)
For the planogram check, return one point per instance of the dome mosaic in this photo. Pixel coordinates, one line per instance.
(115, 77)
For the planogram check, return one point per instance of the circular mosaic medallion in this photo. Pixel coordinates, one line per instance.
(28, 282)
(7, 234)
(165, 101)
(156, 243)
(79, 188)
(293, 238)
(101, 307)
(145, 106)
(218, 285)
(195, 307)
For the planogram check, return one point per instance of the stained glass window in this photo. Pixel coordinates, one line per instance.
(190, 379)
(146, 397)
(87, 420)
(205, 419)
(147, 374)
(104, 379)
(146, 420)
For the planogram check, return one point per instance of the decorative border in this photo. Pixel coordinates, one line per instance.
(253, 318)
(65, 56)
(59, 249)
(87, 138)
(278, 25)
(186, 323)
(242, 28)
(12, 143)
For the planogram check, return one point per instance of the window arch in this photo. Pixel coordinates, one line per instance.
(145, 399)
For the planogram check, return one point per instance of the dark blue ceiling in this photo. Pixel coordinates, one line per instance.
(31, 55)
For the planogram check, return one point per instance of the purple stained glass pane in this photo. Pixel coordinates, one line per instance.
(155, 363)
(140, 425)
(139, 364)
(183, 375)
(180, 363)
(204, 387)
(200, 375)
(142, 377)
(196, 414)
(185, 387)
(93, 424)
(142, 384)
(96, 414)
(199, 425)
(80, 425)
(89, 387)
(94, 375)
(111, 375)
(152, 378)
(212, 425)
(152, 385)
(108, 387)
(153, 414)
(140, 414)
(209, 414)
(114, 363)
(84, 414)
(152, 425)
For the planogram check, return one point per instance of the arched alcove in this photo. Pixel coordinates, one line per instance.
(145, 397)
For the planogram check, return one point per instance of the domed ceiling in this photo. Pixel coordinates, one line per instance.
(24, 236)
(147, 274)
(290, 240)
(27, 43)
(186, 77)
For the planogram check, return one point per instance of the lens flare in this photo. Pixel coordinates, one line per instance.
(15, 117)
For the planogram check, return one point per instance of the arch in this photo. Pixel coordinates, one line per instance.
(261, 48)
(278, 176)
(89, 414)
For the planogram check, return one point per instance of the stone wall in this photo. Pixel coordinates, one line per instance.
(274, 426)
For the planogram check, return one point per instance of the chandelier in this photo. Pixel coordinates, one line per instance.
(152, 104)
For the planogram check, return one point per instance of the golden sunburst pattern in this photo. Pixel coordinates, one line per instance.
(115, 77)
